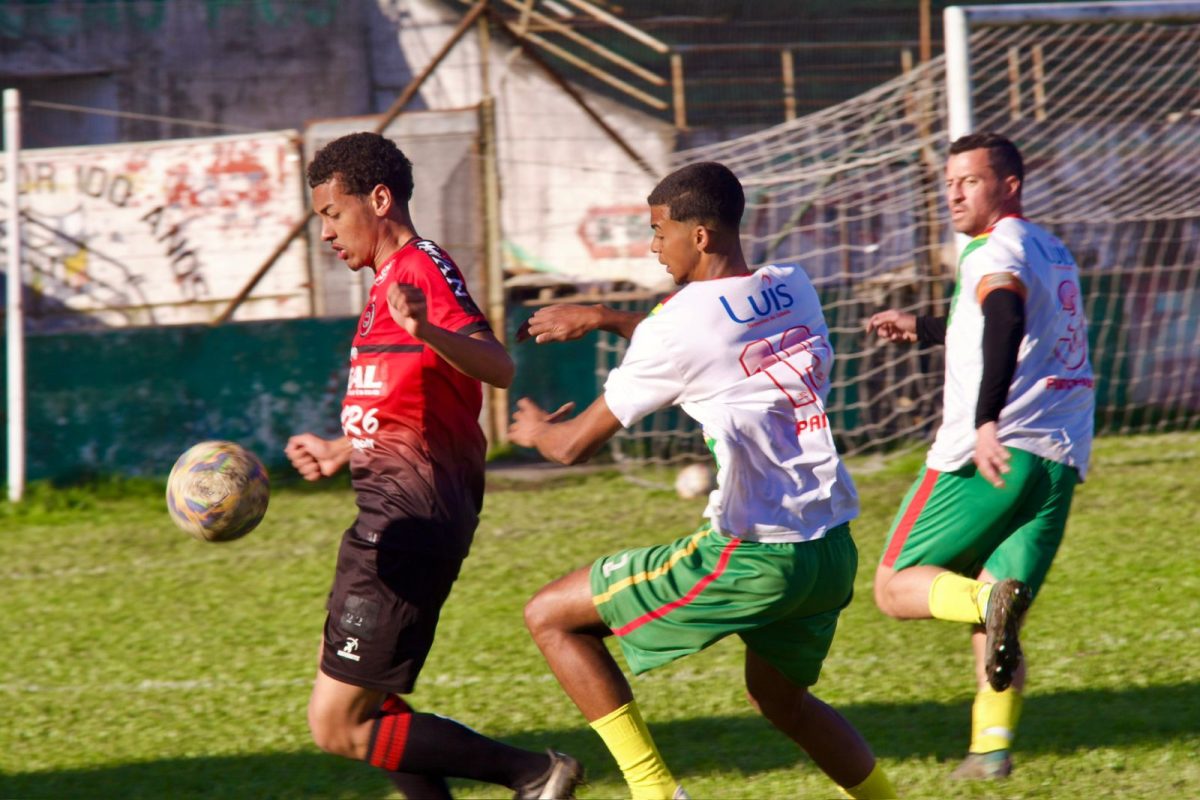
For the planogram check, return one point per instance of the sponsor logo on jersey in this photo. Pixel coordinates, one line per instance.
(1064, 384)
(768, 303)
(368, 318)
(364, 382)
(383, 273)
(816, 422)
(1071, 349)
(1056, 253)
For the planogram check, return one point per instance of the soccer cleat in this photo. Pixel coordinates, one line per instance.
(984, 766)
(557, 783)
(1008, 603)
(681, 794)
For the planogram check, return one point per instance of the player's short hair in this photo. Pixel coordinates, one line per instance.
(1003, 156)
(362, 161)
(705, 192)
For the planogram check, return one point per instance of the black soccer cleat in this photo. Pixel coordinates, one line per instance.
(1006, 607)
(556, 783)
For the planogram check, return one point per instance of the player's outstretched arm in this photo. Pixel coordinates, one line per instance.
(566, 441)
(478, 355)
(893, 325)
(565, 322)
(315, 458)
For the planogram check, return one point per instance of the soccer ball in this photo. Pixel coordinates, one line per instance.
(217, 491)
(694, 480)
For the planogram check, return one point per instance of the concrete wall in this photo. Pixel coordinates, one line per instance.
(257, 64)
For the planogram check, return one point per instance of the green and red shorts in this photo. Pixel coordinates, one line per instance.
(959, 521)
(783, 600)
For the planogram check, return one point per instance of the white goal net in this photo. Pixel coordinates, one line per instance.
(1107, 115)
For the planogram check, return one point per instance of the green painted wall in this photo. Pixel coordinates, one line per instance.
(129, 401)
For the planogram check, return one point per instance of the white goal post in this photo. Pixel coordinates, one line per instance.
(957, 22)
(1103, 100)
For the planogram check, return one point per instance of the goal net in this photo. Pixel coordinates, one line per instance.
(1107, 114)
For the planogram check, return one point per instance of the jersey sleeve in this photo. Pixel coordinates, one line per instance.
(647, 379)
(1002, 264)
(448, 303)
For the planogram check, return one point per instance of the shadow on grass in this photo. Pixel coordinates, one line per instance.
(1060, 723)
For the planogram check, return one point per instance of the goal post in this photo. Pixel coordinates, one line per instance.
(1103, 99)
(957, 22)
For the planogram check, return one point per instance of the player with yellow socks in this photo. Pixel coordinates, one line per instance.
(747, 354)
(976, 535)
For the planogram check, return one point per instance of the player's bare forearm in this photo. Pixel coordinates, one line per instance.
(621, 323)
(893, 325)
(565, 441)
(478, 355)
(314, 457)
(566, 322)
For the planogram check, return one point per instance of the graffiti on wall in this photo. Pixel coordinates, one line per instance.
(160, 233)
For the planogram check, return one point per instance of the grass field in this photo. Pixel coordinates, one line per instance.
(142, 664)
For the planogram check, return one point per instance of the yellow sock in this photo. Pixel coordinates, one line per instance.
(875, 787)
(958, 599)
(994, 718)
(628, 739)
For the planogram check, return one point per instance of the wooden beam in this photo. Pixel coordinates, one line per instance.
(571, 92)
(679, 100)
(788, 66)
(621, 25)
(386, 119)
(598, 74)
(583, 41)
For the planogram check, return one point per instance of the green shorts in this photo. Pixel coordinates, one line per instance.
(959, 521)
(783, 600)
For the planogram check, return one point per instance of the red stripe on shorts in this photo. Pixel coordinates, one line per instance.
(915, 507)
(663, 610)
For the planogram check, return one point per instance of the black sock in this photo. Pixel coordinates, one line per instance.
(440, 746)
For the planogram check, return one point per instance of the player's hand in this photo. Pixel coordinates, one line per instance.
(406, 304)
(563, 322)
(313, 457)
(530, 419)
(893, 325)
(991, 457)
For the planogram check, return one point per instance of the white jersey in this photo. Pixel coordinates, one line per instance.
(748, 357)
(1051, 401)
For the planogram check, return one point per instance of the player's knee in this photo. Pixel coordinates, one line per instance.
(328, 734)
(537, 614)
(883, 596)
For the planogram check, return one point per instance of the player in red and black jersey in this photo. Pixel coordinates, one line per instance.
(416, 456)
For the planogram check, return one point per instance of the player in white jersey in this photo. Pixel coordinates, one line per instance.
(747, 355)
(976, 535)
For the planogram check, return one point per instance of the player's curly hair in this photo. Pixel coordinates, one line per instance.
(1003, 156)
(362, 161)
(705, 192)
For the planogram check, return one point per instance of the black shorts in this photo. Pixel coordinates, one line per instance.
(383, 612)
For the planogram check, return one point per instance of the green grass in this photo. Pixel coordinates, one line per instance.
(141, 664)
